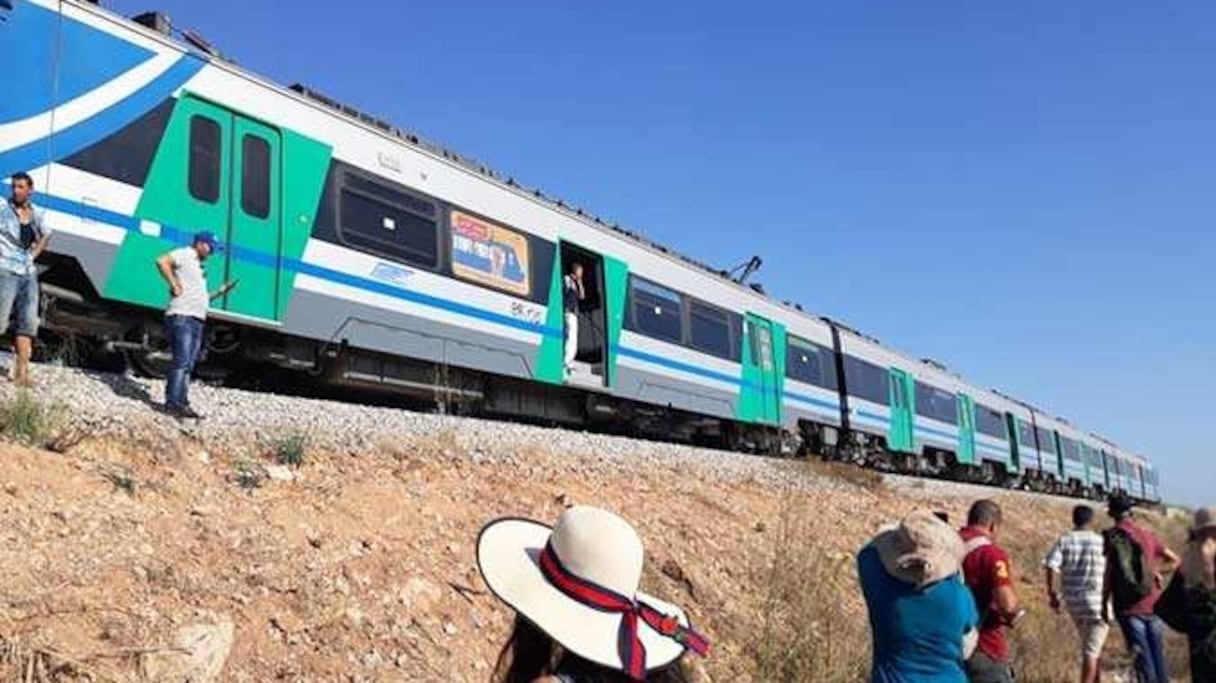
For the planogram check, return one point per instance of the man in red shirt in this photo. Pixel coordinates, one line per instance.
(989, 575)
(1142, 630)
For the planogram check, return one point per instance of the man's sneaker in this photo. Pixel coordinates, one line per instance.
(187, 413)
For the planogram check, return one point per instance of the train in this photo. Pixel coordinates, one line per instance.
(370, 257)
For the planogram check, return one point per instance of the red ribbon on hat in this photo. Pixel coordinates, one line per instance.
(590, 594)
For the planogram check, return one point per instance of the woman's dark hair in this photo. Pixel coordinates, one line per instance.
(530, 653)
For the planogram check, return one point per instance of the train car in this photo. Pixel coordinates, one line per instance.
(365, 256)
(362, 252)
(1095, 464)
(1038, 468)
(995, 443)
(811, 398)
(1152, 489)
(1074, 471)
(1120, 469)
(1138, 469)
(914, 415)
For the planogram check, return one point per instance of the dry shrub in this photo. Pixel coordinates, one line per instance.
(28, 419)
(807, 632)
(862, 477)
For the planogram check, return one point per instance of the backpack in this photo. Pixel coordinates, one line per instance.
(1132, 578)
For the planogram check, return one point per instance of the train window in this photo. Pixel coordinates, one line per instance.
(934, 403)
(809, 362)
(1072, 450)
(203, 176)
(655, 311)
(1047, 442)
(388, 221)
(1025, 435)
(990, 422)
(709, 330)
(867, 381)
(255, 176)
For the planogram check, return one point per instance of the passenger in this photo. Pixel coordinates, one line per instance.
(579, 615)
(1077, 564)
(184, 319)
(922, 617)
(1135, 560)
(572, 293)
(24, 235)
(989, 575)
(1189, 603)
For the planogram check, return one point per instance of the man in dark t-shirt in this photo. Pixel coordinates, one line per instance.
(989, 575)
(1142, 630)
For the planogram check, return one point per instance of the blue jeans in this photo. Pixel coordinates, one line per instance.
(1144, 638)
(186, 340)
(19, 292)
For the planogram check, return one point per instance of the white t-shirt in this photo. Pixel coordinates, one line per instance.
(193, 300)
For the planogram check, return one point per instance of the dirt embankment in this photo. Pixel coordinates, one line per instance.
(128, 560)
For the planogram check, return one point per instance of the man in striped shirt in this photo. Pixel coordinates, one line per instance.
(1077, 564)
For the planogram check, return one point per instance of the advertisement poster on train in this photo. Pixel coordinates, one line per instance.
(490, 254)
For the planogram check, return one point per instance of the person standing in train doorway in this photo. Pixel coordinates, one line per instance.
(572, 293)
(23, 236)
(187, 313)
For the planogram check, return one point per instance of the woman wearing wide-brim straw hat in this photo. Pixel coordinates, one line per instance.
(1189, 602)
(580, 616)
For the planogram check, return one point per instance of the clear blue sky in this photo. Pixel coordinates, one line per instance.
(1025, 191)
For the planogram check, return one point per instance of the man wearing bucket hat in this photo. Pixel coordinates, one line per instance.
(1189, 603)
(183, 269)
(922, 617)
(580, 616)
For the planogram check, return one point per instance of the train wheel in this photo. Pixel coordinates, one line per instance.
(150, 363)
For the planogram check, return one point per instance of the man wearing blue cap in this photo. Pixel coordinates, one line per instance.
(183, 270)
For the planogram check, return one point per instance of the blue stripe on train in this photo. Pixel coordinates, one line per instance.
(180, 236)
(813, 401)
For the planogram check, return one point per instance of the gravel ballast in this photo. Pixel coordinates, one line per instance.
(103, 405)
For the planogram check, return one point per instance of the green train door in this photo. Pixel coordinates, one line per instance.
(761, 398)
(903, 405)
(966, 429)
(255, 228)
(1015, 453)
(233, 188)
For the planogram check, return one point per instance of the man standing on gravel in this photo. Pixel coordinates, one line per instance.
(989, 575)
(184, 319)
(23, 236)
(1076, 564)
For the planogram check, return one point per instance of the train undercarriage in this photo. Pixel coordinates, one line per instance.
(82, 329)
